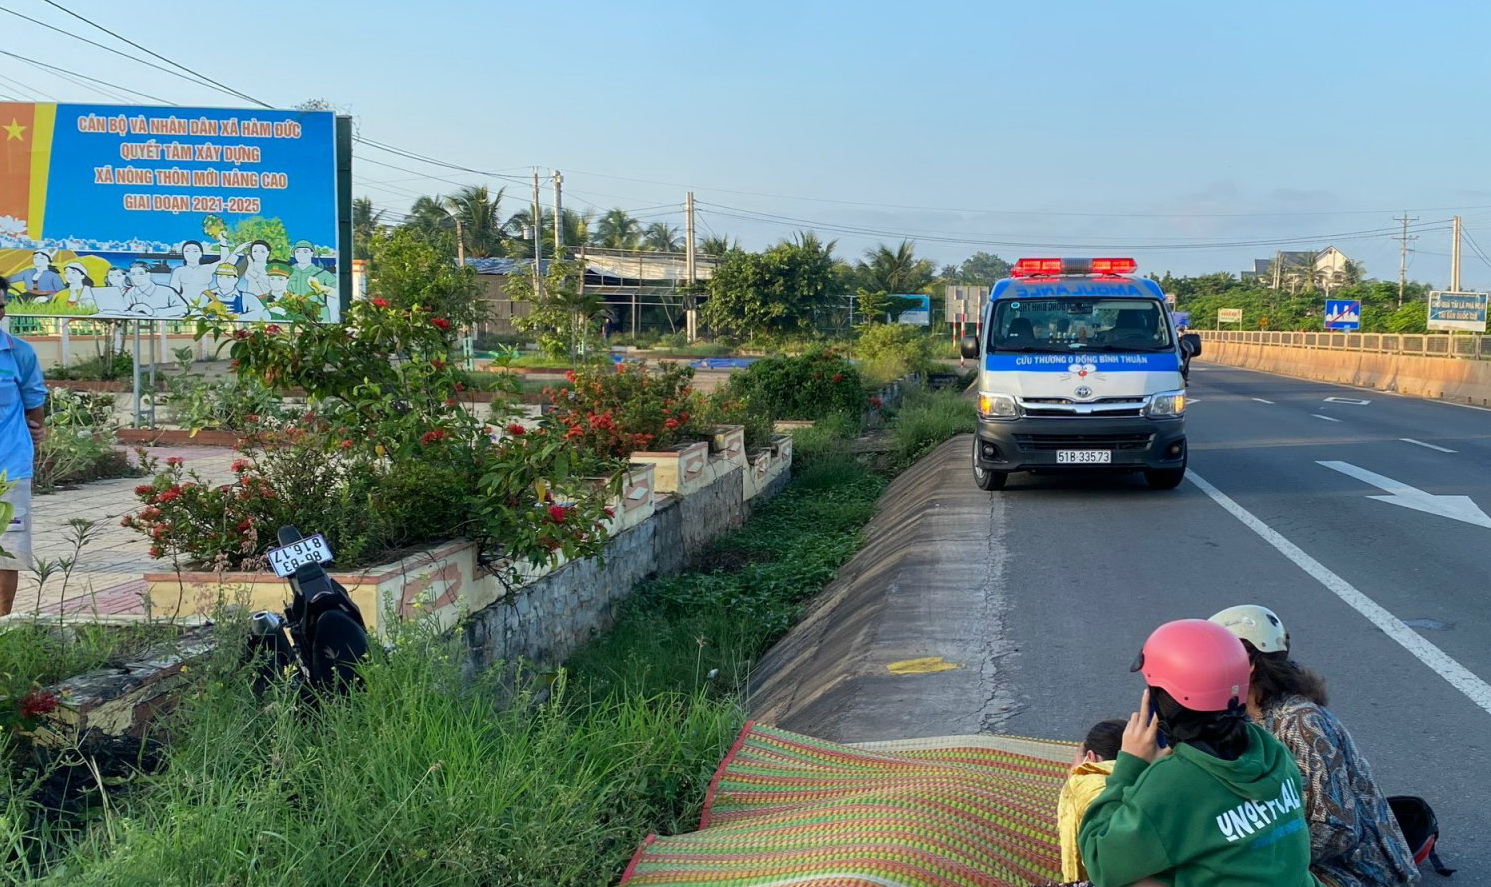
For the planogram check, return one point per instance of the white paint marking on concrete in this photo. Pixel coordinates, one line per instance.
(1429, 445)
(1261, 400)
(1326, 418)
(1460, 508)
(1458, 676)
(1356, 402)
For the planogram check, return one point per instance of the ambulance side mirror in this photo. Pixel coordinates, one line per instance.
(968, 346)
(1190, 345)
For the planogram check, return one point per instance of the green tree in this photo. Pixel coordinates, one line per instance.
(271, 231)
(618, 230)
(661, 237)
(894, 271)
(564, 320)
(366, 221)
(431, 220)
(980, 269)
(482, 229)
(717, 246)
(410, 272)
(777, 291)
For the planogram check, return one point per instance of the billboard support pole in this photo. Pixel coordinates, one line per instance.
(136, 369)
(65, 342)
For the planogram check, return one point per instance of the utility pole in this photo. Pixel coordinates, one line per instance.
(558, 216)
(1455, 259)
(538, 240)
(691, 313)
(460, 244)
(1403, 259)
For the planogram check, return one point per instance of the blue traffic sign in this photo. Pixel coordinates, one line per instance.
(1343, 314)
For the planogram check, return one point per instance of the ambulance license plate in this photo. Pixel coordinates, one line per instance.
(1084, 457)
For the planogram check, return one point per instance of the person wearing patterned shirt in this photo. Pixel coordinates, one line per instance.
(1355, 840)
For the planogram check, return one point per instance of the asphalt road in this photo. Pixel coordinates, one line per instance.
(1389, 598)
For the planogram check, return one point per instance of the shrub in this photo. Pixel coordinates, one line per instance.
(614, 412)
(807, 387)
(198, 402)
(926, 419)
(888, 351)
(721, 407)
(101, 368)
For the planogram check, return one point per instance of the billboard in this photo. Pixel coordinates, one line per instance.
(1343, 314)
(918, 315)
(114, 211)
(1229, 315)
(1457, 311)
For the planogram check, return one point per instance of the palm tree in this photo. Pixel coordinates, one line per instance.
(479, 213)
(430, 218)
(617, 230)
(662, 237)
(576, 227)
(366, 221)
(717, 246)
(895, 271)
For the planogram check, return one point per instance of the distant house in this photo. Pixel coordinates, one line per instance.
(642, 290)
(1301, 270)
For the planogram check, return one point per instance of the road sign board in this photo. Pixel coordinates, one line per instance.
(1343, 314)
(1229, 315)
(1457, 311)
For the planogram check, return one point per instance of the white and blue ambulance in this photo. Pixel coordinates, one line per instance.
(1080, 367)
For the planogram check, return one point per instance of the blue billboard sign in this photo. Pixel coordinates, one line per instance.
(1182, 319)
(1457, 311)
(159, 213)
(918, 315)
(1343, 314)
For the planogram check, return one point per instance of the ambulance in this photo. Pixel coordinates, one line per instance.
(1080, 368)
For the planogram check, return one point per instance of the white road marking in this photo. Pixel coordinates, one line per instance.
(1326, 418)
(1460, 508)
(1429, 445)
(1261, 400)
(1459, 677)
(1351, 400)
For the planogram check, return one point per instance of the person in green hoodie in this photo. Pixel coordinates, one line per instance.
(1224, 806)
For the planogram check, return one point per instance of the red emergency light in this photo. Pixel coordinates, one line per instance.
(1043, 267)
(1114, 266)
(1035, 267)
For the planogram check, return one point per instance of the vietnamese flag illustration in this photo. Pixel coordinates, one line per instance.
(25, 160)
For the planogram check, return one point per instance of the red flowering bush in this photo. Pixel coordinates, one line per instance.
(612, 413)
(810, 386)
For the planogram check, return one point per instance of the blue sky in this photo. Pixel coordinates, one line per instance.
(1193, 136)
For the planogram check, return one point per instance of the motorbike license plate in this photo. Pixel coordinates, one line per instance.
(1084, 457)
(311, 550)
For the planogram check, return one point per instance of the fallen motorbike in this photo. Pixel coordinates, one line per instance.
(321, 637)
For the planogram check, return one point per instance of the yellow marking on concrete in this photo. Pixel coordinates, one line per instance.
(924, 665)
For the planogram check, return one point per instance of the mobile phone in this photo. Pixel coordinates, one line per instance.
(1154, 711)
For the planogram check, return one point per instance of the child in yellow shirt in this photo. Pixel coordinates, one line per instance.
(1091, 768)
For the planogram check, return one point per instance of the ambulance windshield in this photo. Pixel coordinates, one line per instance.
(1079, 324)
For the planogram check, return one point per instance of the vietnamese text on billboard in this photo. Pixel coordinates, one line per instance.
(162, 213)
(1457, 311)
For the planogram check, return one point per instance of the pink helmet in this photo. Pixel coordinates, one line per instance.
(1199, 663)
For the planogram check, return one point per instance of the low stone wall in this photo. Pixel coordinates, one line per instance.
(1445, 378)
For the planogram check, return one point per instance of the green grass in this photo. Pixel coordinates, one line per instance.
(46, 654)
(927, 418)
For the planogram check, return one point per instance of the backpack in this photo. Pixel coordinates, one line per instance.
(1420, 827)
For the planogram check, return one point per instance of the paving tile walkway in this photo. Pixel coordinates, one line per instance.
(108, 568)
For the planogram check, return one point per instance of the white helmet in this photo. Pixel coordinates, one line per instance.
(1256, 625)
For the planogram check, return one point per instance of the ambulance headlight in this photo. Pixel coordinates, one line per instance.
(1166, 405)
(997, 406)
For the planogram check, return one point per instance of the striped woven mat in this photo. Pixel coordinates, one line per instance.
(786, 809)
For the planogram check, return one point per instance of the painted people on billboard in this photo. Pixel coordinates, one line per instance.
(42, 280)
(306, 277)
(78, 292)
(254, 276)
(193, 275)
(147, 298)
(225, 299)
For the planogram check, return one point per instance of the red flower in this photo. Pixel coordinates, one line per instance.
(246, 525)
(144, 490)
(175, 460)
(38, 703)
(240, 334)
(157, 551)
(380, 303)
(875, 402)
(438, 364)
(440, 323)
(671, 424)
(250, 417)
(557, 513)
(460, 386)
(838, 377)
(126, 521)
(345, 444)
(516, 430)
(570, 375)
(432, 436)
(273, 329)
(240, 466)
(610, 512)
(168, 495)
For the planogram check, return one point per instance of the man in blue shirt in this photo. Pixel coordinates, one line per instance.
(23, 396)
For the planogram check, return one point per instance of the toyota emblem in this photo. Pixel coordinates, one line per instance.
(1084, 391)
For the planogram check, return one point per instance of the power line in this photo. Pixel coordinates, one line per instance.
(227, 89)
